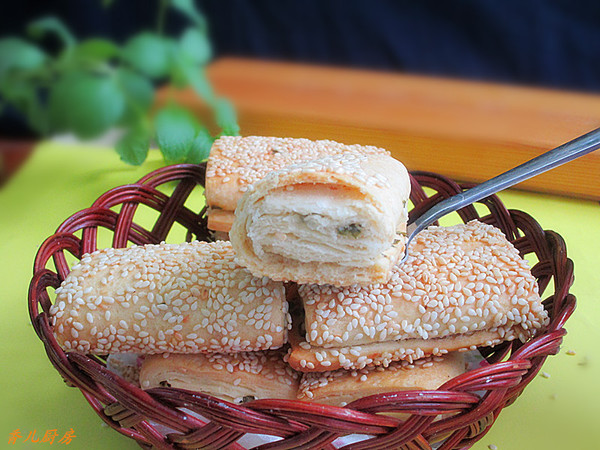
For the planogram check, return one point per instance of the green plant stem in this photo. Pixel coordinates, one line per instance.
(161, 16)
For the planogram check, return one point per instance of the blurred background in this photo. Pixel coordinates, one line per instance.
(546, 44)
(552, 43)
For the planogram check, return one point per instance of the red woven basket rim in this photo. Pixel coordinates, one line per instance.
(154, 418)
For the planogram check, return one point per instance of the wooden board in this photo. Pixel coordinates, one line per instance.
(467, 130)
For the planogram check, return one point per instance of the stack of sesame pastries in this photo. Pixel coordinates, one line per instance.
(462, 287)
(319, 225)
(168, 298)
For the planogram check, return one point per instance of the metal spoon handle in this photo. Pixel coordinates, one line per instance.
(540, 164)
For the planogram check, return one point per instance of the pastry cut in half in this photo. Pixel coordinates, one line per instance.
(338, 220)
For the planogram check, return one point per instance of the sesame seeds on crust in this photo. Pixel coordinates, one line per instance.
(237, 162)
(251, 158)
(463, 287)
(457, 280)
(168, 298)
(305, 357)
(339, 387)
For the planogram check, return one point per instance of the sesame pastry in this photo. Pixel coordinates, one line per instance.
(338, 220)
(236, 162)
(168, 298)
(236, 377)
(462, 287)
(340, 387)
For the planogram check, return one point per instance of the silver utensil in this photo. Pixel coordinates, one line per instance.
(540, 164)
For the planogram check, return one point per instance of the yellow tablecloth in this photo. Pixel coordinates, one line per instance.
(558, 412)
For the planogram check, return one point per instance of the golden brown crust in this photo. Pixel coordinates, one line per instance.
(462, 286)
(340, 387)
(307, 358)
(236, 162)
(181, 298)
(220, 220)
(236, 377)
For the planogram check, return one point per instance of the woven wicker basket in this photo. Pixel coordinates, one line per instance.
(154, 418)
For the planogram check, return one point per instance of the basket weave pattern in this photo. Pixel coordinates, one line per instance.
(154, 418)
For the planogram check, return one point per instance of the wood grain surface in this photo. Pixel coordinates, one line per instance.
(468, 130)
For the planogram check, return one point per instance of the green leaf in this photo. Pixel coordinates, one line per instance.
(200, 147)
(188, 9)
(54, 25)
(85, 104)
(16, 53)
(138, 92)
(96, 50)
(133, 147)
(195, 46)
(176, 130)
(226, 117)
(195, 77)
(150, 54)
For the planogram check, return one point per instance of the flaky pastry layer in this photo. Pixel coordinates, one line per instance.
(236, 377)
(337, 220)
(340, 387)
